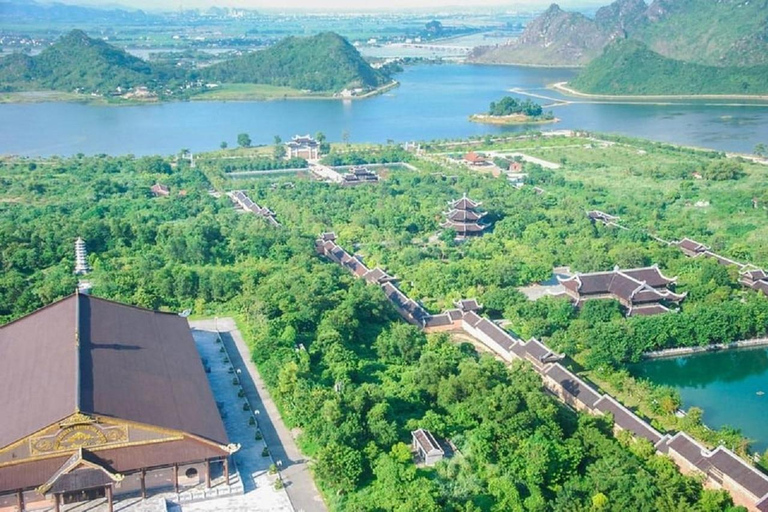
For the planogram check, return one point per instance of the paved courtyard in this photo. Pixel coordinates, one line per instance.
(252, 466)
(300, 488)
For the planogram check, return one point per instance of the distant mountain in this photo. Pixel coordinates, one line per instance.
(78, 62)
(326, 62)
(712, 32)
(629, 67)
(26, 11)
(556, 38)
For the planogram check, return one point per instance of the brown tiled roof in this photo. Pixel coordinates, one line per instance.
(468, 305)
(107, 359)
(627, 420)
(692, 245)
(464, 215)
(738, 470)
(454, 314)
(462, 227)
(377, 275)
(625, 287)
(426, 441)
(440, 320)
(755, 275)
(761, 286)
(472, 318)
(496, 333)
(651, 276)
(464, 203)
(537, 350)
(573, 385)
(39, 344)
(690, 450)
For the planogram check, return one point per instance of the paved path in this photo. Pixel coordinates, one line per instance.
(298, 480)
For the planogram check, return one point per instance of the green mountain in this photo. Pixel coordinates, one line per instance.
(711, 32)
(325, 62)
(78, 62)
(630, 67)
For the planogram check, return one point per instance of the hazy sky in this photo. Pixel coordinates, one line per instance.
(337, 4)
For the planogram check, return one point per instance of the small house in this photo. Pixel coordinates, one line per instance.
(427, 448)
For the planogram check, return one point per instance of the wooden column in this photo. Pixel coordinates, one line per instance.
(20, 500)
(226, 470)
(109, 499)
(143, 478)
(56, 506)
(207, 474)
(176, 478)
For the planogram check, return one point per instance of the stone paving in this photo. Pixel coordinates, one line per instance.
(252, 465)
(294, 469)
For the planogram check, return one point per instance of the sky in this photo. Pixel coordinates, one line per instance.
(346, 5)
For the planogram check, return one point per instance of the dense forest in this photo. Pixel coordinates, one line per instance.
(78, 63)
(508, 106)
(325, 62)
(630, 67)
(364, 379)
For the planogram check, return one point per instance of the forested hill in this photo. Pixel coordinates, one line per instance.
(325, 62)
(630, 67)
(714, 33)
(78, 62)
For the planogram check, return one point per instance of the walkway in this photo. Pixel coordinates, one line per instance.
(299, 485)
(258, 485)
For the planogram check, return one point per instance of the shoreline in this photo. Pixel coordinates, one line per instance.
(706, 349)
(28, 97)
(522, 65)
(563, 88)
(514, 119)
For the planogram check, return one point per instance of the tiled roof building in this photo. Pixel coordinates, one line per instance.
(121, 403)
(641, 290)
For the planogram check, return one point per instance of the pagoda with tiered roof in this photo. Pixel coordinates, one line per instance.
(464, 218)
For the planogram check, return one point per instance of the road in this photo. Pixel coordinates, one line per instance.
(294, 470)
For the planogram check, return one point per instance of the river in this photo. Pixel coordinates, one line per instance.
(433, 102)
(725, 384)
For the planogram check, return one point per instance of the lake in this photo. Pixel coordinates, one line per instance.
(433, 102)
(725, 384)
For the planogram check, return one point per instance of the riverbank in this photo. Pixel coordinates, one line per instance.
(512, 119)
(684, 351)
(223, 93)
(562, 87)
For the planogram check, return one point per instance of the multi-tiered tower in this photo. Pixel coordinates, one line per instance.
(464, 218)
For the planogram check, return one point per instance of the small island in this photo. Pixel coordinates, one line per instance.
(508, 110)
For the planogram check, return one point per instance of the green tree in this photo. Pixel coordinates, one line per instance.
(223, 144)
(339, 466)
(244, 140)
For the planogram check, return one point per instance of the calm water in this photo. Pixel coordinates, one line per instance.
(432, 102)
(724, 384)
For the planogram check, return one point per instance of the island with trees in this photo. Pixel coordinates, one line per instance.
(509, 110)
(349, 375)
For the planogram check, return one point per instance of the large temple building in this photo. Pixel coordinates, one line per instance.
(101, 399)
(464, 218)
(642, 291)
